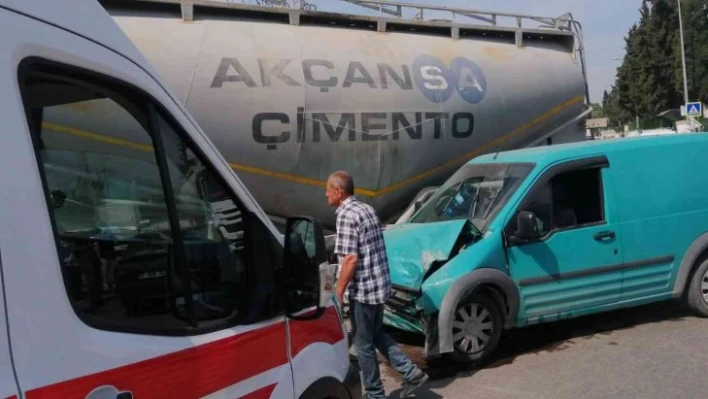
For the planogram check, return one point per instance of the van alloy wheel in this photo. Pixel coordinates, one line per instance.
(476, 328)
(473, 328)
(697, 290)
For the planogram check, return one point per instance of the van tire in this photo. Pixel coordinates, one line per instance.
(481, 301)
(695, 299)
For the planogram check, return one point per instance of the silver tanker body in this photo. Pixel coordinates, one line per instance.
(288, 102)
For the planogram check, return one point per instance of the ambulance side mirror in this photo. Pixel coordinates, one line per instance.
(57, 198)
(309, 276)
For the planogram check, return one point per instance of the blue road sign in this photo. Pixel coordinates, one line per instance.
(694, 109)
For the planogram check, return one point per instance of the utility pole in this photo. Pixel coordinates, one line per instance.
(683, 57)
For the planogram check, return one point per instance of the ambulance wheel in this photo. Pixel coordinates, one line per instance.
(697, 297)
(476, 329)
(326, 388)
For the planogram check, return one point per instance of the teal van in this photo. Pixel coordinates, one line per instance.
(550, 233)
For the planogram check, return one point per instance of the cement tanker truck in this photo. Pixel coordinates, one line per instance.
(290, 95)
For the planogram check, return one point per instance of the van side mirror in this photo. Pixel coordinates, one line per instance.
(309, 276)
(526, 227)
(423, 199)
(417, 205)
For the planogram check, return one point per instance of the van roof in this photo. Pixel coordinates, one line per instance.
(85, 18)
(548, 154)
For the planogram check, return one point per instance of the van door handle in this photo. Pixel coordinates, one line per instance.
(603, 235)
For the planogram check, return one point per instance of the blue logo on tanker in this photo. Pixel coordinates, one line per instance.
(437, 81)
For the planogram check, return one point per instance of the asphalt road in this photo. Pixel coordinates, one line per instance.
(655, 351)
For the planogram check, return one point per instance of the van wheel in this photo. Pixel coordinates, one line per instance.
(476, 329)
(697, 298)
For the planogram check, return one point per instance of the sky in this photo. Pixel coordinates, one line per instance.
(605, 25)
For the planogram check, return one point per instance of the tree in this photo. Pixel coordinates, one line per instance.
(695, 24)
(650, 78)
(665, 42)
(597, 111)
(613, 111)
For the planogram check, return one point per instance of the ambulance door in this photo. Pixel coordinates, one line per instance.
(8, 384)
(133, 264)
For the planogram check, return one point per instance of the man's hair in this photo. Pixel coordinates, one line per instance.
(343, 180)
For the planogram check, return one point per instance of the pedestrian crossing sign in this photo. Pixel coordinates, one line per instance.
(694, 109)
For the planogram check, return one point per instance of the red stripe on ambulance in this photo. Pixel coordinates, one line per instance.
(189, 373)
(326, 329)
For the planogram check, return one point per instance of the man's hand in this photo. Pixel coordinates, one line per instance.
(340, 294)
(348, 268)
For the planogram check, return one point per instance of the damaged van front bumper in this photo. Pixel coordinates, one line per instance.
(402, 313)
(400, 310)
(415, 253)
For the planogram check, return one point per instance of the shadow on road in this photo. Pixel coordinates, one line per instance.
(550, 337)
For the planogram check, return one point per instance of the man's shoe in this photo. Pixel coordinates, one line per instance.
(415, 383)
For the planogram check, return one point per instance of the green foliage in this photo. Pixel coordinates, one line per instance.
(597, 111)
(650, 78)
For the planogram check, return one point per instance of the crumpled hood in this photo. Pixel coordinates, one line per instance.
(412, 247)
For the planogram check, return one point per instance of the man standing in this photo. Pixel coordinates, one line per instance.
(364, 268)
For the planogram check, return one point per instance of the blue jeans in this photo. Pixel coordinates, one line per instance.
(369, 335)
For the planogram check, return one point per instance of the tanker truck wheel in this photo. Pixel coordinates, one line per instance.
(476, 329)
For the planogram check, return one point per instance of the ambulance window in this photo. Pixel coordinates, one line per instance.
(221, 240)
(149, 238)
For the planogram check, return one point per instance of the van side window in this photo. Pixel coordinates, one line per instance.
(540, 203)
(577, 198)
(568, 200)
(149, 238)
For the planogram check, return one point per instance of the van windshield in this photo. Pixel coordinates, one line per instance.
(476, 192)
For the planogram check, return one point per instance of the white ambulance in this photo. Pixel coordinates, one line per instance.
(133, 262)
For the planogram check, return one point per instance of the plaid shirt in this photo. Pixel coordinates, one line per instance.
(359, 233)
